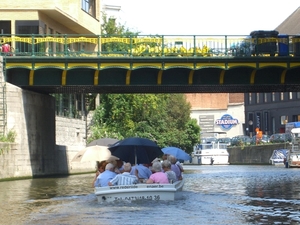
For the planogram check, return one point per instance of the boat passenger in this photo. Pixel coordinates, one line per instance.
(158, 177)
(142, 171)
(124, 178)
(100, 169)
(106, 176)
(175, 167)
(166, 165)
(119, 166)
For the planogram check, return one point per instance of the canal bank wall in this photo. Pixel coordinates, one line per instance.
(45, 144)
(259, 154)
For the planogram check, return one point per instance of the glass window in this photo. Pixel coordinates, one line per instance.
(257, 97)
(89, 6)
(27, 28)
(273, 97)
(298, 94)
(283, 120)
(265, 97)
(273, 125)
(281, 96)
(296, 118)
(250, 98)
(290, 95)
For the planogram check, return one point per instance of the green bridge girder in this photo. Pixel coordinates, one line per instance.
(154, 74)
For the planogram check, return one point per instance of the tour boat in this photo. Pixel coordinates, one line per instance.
(211, 154)
(140, 191)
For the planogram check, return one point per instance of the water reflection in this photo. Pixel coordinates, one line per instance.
(212, 195)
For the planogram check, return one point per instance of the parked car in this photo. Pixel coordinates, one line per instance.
(280, 138)
(208, 140)
(264, 139)
(240, 140)
(225, 140)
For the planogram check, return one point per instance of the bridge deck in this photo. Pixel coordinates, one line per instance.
(193, 64)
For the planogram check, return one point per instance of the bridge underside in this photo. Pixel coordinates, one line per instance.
(154, 75)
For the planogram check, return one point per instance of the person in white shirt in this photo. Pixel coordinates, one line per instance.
(124, 178)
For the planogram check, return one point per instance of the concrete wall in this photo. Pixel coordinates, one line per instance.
(32, 117)
(70, 139)
(253, 154)
(45, 144)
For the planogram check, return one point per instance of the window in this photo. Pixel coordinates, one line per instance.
(250, 98)
(290, 95)
(273, 97)
(26, 27)
(296, 118)
(257, 97)
(265, 97)
(284, 120)
(298, 94)
(89, 6)
(281, 96)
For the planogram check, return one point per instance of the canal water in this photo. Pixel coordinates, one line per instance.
(212, 195)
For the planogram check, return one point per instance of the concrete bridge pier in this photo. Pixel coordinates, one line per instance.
(35, 151)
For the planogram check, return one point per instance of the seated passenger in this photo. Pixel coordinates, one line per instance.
(124, 178)
(141, 171)
(106, 176)
(166, 165)
(119, 166)
(158, 177)
(100, 169)
(175, 167)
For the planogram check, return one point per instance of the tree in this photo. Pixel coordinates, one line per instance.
(164, 118)
(110, 28)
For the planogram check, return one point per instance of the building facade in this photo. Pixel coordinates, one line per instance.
(271, 111)
(49, 18)
(221, 113)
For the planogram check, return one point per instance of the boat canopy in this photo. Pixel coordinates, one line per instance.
(295, 130)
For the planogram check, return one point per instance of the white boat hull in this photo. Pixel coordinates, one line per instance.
(293, 159)
(139, 192)
(212, 157)
(211, 154)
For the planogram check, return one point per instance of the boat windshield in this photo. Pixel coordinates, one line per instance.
(213, 146)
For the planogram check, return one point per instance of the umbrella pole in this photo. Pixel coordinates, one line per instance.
(135, 157)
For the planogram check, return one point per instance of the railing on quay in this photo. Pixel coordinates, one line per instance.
(71, 45)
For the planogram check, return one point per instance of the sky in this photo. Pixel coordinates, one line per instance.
(202, 17)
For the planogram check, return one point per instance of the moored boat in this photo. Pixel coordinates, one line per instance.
(211, 154)
(293, 155)
(278, 156)
(141, 191)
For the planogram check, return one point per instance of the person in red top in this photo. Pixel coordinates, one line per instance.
(5, 48)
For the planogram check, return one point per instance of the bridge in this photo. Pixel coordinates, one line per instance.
(152, 64)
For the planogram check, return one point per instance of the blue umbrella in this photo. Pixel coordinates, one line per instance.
(136, 150)
(177, 152)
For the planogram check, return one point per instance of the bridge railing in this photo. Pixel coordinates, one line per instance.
(71, 45)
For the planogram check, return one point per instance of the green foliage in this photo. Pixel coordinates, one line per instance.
(9, 137)
(110, 28)
(164, 118)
